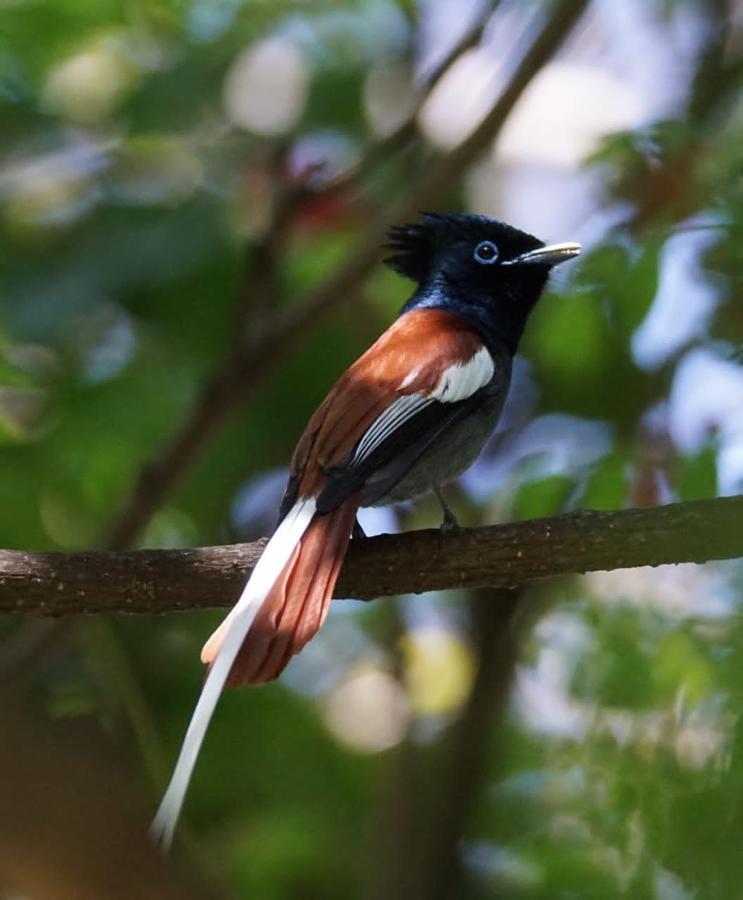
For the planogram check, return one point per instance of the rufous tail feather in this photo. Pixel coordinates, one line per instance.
(297, 604)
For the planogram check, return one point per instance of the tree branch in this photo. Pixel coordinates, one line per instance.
(158, 581)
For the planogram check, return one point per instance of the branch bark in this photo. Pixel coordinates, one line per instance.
(498, 556)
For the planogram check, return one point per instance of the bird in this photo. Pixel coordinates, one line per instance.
(411, 414)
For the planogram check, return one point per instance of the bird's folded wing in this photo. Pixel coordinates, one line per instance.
(413, 383)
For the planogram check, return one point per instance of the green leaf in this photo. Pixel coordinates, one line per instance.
(697, 474)
(681, 667)
(544, 497)
(608, 484)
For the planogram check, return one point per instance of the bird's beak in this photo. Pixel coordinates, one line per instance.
(550, 255)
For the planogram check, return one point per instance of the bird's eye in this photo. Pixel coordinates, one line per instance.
(486, 253)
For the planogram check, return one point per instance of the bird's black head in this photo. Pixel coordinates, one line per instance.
(477, 267)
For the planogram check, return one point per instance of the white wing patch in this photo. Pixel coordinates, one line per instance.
(462, 380)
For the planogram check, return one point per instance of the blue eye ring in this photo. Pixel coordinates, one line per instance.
(486, 253)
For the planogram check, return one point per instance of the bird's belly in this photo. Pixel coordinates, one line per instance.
(449, 456)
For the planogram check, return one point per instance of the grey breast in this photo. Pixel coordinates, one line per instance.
(455, 449)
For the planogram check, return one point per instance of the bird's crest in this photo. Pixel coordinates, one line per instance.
(412, 248)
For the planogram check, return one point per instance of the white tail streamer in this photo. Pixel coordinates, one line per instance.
(272, 561)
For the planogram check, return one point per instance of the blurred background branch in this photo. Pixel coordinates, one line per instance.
(442, 784)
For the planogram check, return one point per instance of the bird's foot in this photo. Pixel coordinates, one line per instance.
(450, 523)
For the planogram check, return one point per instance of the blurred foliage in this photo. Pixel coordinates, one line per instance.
(130, 206)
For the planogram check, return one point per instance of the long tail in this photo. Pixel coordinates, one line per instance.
(285, 611)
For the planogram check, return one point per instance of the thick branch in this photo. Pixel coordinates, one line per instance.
(158, 581)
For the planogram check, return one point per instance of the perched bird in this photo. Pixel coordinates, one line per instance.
(408, 416)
